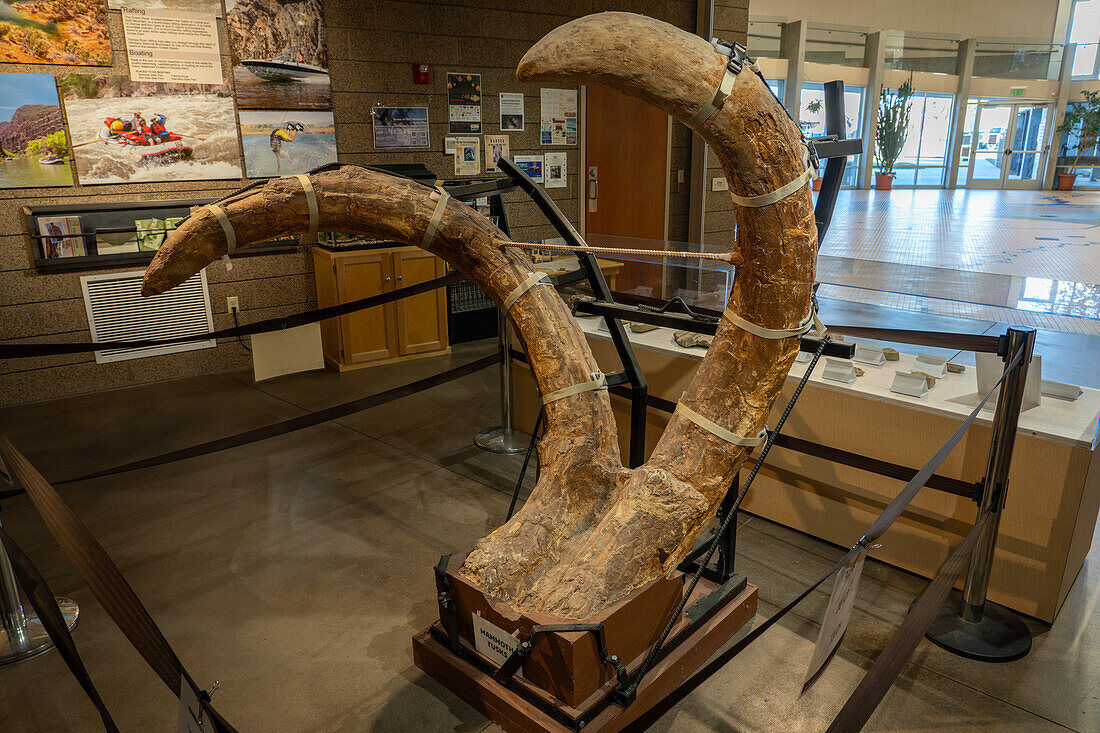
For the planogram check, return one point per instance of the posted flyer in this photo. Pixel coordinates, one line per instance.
(511, 112)
(400, 127)
(467, 156)
(531, 165)
(172, 46)
(555, 170)
(559, 117)
(495, 146)
(464, 103)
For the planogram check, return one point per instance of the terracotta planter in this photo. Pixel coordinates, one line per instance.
(1064, 181)
(815, 183)
(883, 182)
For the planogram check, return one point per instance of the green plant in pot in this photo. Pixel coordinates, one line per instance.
(1083, 120)
(892, 129)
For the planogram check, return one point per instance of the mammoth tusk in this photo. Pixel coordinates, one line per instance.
(592, 531)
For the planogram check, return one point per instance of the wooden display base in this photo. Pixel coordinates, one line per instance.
(522, 705)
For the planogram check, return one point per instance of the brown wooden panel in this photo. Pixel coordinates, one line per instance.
(421, 319)
(366, 335)
(627, 141)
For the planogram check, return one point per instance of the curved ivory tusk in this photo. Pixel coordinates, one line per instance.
(660, 510)
(580, 440)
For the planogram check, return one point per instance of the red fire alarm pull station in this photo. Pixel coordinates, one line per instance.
(420, 74)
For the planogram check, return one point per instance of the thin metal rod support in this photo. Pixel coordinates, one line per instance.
(504, 438)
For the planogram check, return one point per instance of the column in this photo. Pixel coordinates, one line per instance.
(964, 67)
(874, 58)
(793, 48)
(1059, 114)
(697, 183)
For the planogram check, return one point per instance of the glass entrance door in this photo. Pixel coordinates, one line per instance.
(1028, 133)
(1006, 146)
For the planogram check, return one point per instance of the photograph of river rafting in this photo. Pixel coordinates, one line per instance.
(280, 56)
(54, 32)
(33, 149)
(125, 131)
(286, 142)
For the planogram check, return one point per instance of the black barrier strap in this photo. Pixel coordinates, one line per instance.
(892, 511)
(300, 422)
(942, 339)
(102, 576)
(887, 666)
(17, 351)
(45, 605)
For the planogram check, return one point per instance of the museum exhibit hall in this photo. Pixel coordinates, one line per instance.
(508, 367)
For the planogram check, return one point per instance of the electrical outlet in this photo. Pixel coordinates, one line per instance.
(233, 304)
(719, 184)
(680, 175)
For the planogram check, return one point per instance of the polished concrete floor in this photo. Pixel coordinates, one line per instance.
(295, 570)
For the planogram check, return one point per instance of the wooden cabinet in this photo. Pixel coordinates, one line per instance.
(404, 329)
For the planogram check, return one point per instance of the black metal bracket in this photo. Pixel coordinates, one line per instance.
(448, 609)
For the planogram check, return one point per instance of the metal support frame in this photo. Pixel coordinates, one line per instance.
(969, 625)
(23, 635)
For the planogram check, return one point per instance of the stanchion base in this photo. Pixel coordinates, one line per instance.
(494, 441)
(1000, 636)
(35, 640)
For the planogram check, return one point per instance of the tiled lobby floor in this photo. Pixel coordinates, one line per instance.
(1025, 257)
(295, 570)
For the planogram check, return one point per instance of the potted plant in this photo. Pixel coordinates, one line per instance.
(892, 129)
(1083, 120)
(813, 107)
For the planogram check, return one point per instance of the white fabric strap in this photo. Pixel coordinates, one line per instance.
(314, 214)
(720, 94)
(599, 382)
(441, 197)
(716, 429)
(810, 323)
(782, 192)
(535, 278)
(230, 236)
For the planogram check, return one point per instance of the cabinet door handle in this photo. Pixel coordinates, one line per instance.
(400, 277)
(387, 279)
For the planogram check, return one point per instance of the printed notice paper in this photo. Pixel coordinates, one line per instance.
(559, 117)
(493, 642)
(172, 46)
(531, 165)
(495, 146)
(555, 170)
(464, 103)
(511, 111)
(836, 618)
(467, 154)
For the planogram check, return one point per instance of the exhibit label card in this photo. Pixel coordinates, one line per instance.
(559, 117)
(191, 713)
(172, 46)
(555, 170)
(464, 103)
(495, 146)
(511, 111)
(836, 618)
(400, 127)
(467, 156)
(493, 642)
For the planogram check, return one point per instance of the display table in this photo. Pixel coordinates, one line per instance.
(1054, 486)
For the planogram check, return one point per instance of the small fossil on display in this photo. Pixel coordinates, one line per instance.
(928, 378)
(891, 354)
(688, 339)
(955, 368)
(859, 372)
(641, 327)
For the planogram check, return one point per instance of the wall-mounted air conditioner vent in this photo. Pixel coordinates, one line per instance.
(118, 312)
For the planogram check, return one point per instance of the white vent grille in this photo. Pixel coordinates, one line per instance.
(118, 312)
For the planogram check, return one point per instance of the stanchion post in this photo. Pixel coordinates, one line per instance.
(969, 624)
(503, 438)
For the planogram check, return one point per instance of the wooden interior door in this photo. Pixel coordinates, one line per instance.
(421, 319)
(626, 142)
(366, 335)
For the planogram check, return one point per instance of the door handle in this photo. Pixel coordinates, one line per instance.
(400, 277)
(387, 279)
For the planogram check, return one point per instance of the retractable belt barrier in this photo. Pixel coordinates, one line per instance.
(18, 351)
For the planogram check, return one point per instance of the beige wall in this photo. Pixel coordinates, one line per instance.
(372, 46)
(1024, 20)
